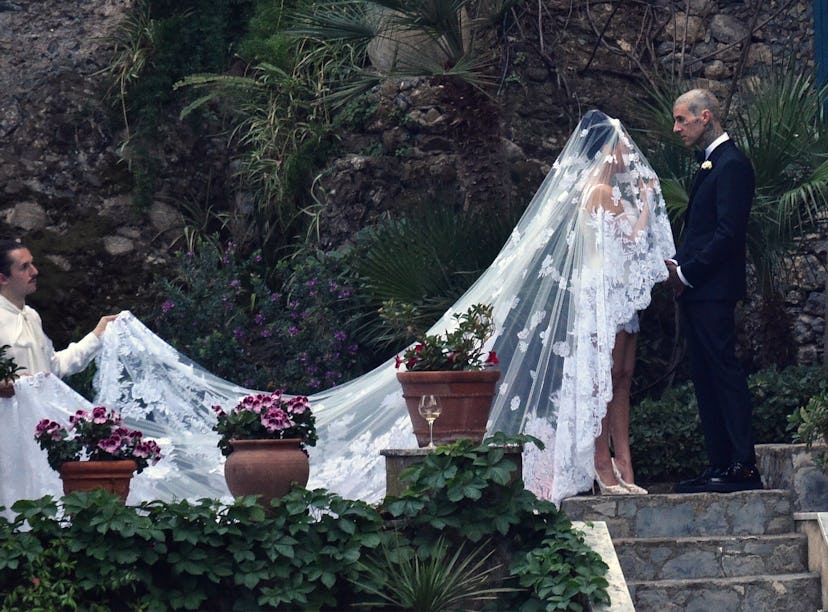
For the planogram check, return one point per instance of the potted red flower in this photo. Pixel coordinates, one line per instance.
(8, 372)
(455, 367)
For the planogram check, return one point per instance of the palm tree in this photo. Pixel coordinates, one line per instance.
(783, 132)
(405, 38)
(782, 129)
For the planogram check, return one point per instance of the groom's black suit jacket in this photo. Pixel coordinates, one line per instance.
(712, 254)
(712, 259)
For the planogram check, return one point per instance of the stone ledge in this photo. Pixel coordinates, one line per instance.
(798, 591)
(597, 537)
(677, 515)
(712, 556)
(815, 526)
(398, 459)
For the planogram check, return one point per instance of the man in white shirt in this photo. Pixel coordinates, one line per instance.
(21, 327)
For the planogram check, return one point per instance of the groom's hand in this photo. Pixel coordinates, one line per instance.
(673, 279)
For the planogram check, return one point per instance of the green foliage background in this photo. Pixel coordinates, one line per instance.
(665, 433)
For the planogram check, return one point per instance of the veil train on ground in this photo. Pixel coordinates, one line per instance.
(566, 279)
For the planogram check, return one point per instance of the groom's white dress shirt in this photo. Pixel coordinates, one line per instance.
(32, 348)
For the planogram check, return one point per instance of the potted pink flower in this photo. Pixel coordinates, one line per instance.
(264, 438)
(96, 442)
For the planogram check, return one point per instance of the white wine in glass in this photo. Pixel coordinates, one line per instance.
(430, 409)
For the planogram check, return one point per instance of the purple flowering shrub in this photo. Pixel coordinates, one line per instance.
(98, 435)
(220, 310)
(268, 416)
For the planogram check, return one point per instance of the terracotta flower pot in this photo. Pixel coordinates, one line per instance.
(465, 398)
(114, 476)
(266, 468)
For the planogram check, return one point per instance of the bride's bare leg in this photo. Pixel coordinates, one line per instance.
(603, 458)
(618, 409)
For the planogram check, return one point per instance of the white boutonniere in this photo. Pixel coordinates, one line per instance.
(706, 164)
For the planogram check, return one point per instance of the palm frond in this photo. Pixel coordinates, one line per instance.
(350, 21)
(433, 581)
(779, 128)
(414, 260)
(775, 129)
(359, 84)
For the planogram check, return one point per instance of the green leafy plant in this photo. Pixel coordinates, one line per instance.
(669, 427)
(134, 42)
(266, 416)
(461, 348)
(439, 582)
(407, 39)
(466, 491)
(810, 424)
(415, 260)
(157, 43)
(280, 123)
(309, 551)
(98, 435)
(239, 318)
(8, 366)
(189, 555)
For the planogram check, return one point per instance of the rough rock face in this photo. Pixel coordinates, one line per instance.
(446, 149)
(425, 141)
(64, 187)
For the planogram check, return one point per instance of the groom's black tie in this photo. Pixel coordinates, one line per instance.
(699, 156)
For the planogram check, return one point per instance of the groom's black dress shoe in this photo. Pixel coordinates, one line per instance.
(700, 484)
(739, 477)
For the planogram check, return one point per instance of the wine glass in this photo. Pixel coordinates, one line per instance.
(429, 409)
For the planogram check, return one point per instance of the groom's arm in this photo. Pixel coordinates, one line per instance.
(733, 198)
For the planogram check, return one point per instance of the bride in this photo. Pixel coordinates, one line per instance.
(572, 274)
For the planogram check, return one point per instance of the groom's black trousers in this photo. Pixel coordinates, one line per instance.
(719, 380)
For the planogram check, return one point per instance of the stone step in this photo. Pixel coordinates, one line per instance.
(677, 515)
(711, 556)
(762, 593)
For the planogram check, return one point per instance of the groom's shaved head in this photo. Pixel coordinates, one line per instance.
(698, 100)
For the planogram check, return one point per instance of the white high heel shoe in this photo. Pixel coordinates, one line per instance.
(608, 489)
(632, 488)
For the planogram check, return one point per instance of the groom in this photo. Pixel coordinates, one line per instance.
(708, 278)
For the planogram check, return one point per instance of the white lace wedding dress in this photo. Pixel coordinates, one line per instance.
(567, 278)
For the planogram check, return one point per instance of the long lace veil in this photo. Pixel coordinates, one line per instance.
(580, 262)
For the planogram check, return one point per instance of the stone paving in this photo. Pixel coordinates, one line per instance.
(707, 552)
(652, 516)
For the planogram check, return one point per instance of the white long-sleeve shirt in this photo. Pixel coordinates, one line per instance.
(32, 348)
